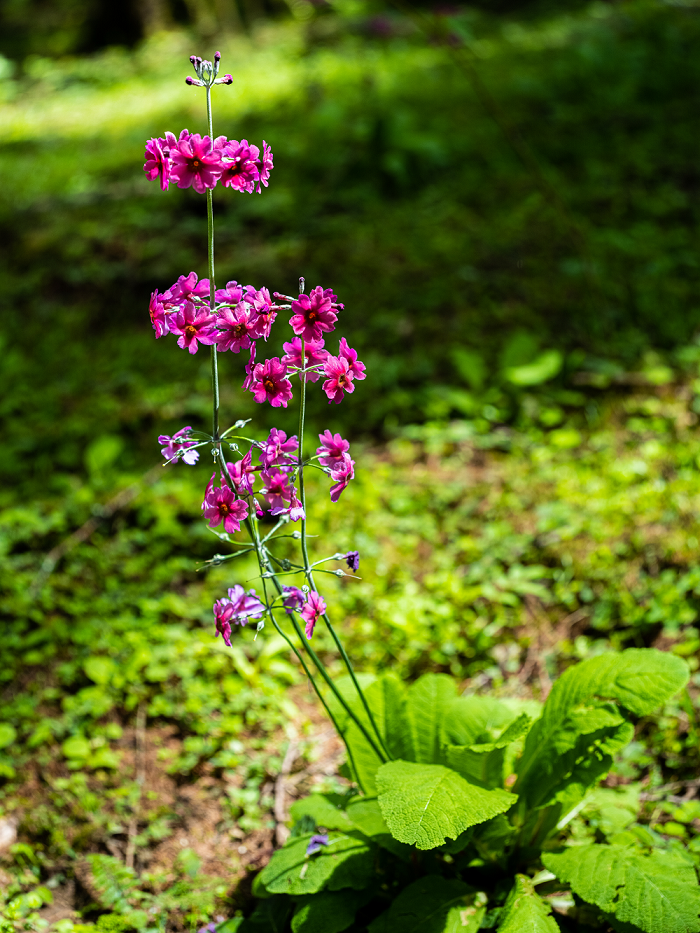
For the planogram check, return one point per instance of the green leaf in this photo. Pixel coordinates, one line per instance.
(472, 720)
(525, 911)
(639, 679)
(483, 763)
(545, 367)
(269, 916)
(8, 734)
(327, 912)
(77, 746)
(427, 700)
(324, 812)
(100, 669)
(366, 816)
(425, 804)
(346, 862)
(658, 892)
(433, 905)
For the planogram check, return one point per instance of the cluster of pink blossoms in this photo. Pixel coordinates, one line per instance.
(242, 315)
(191, 160)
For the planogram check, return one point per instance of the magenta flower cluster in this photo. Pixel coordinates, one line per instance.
(238, 608)
(243, 315)
(193, 161)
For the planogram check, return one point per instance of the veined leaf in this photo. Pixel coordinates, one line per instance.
(639, 679)
(658, 892)
(345, 862)
(427, 700)
(425, 804)
(433, 905)
(525, 911)
(474, 719)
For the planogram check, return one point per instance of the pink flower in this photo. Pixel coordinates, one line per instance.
(240, 163)
(354, 365)
(314, 313)
(230, 295)
(293, 598)
(333, 449)
(193, 326)
(186, 287)
(339, 380)
(313, 353)
(235, 328)
(221, 505)
(277, 450)
(266, 167)
(157, 312)
(157, 163)
(172, 446)
(277, 490)
(242, 474)
(261, 303)
(196, 163)
(238, 608)
(314, 607)
(341, 474)
(269, 382)
(295, 510)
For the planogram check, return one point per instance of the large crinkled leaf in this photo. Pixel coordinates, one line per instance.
(366, 815)
(269, 916)
(525, 911)
(425, 804)
(346, 862)
(327, 912)
(473, 719)
(433, 905)
(639, 679)
(657, 892)
(426, 703)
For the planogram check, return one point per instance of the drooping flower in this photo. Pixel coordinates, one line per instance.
(314, 356)
(293, 598)
(238, 608)
(230, 295)
(265, 311)
(180, 441)
(266, 166)
(341, 474)
(314, 607)
(249, 367)
(186, 287)
(316, 843)
(221, 505)
(314, 313)
(242, 474)
(157, 164)
(352, 559)
(159, 322)
(269, 381)
(332, 450)
(355, 366)
(194, 327)
(339, 380)
(277, 489)
(235, 328)
(196, 163)
(278, 450)
(240, 162)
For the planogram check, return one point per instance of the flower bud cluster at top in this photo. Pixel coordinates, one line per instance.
(268, 476)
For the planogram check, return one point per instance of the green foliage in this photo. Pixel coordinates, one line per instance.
(449, 809)
(656, 891)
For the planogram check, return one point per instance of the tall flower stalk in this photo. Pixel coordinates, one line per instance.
(235, 319)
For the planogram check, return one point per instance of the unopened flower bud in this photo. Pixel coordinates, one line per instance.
(189, 80)
(302, 284)
(217, 56)
(227, 79)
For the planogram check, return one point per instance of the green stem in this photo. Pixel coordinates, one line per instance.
(309, 572)
(212, 286)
